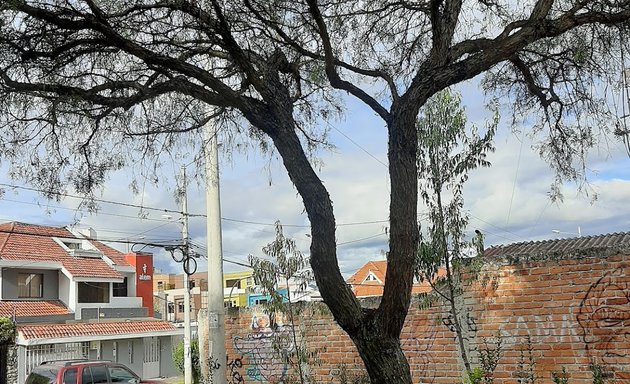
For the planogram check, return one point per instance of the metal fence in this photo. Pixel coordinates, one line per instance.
(35, 355)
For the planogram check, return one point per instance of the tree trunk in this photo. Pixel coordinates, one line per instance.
(382, 355)
(375, 332)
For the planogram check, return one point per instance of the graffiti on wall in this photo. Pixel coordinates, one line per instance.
(543, 329)
(417, 349)
(604, 319)
(235, 376)
(267, 348)
(471, 323)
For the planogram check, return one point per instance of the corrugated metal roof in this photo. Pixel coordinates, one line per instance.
(561, 246)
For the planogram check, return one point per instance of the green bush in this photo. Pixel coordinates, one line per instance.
(475, 376)
(7, 331)
(560, 377)
(178, 359)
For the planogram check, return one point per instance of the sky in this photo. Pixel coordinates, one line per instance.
(508, 202)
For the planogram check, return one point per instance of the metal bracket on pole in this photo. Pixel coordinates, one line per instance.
(213, 320)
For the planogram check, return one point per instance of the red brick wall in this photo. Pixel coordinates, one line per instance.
(557, 312)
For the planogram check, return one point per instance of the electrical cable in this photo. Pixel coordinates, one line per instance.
(166, 210)
(518, 165)
(104, 201)
(357, 145)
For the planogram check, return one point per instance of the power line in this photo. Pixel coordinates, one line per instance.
(100, 212)
(357, 144)
(165, 210)
(62, 194)
(358, 240)
(518, 164)
(101, 240)
(497, 227)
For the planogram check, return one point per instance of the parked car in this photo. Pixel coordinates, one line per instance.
(82, 372)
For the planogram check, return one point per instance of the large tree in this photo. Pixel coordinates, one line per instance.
(86, 86)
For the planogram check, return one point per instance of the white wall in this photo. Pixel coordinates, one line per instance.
(131, 283)
(64, 291)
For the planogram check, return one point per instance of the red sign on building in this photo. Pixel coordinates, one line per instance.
(144, 277)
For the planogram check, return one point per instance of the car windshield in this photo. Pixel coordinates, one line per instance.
(42, 375)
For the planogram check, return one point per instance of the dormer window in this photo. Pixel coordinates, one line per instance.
(371, 277)
(72, 245)
(78, 247)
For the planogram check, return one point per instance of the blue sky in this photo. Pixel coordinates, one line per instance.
(508, 202)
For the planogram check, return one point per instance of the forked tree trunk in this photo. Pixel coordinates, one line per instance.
(374, 332)
(383, 357)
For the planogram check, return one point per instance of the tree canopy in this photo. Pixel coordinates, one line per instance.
(87, 87)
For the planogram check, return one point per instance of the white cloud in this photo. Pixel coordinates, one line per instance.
(508, 205)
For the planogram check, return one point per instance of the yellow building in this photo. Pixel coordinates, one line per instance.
(236, 286)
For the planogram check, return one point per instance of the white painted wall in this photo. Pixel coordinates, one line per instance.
(131, 283)
(64, 291)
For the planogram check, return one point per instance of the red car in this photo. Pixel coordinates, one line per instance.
(82, 372)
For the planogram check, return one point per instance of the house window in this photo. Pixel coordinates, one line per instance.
(236, 283)
(93, 292)
(160, 285)
(180, 307)
(30, 285)
(371, 277)
(120, 289)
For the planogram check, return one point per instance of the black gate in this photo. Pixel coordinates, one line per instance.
(4, 357)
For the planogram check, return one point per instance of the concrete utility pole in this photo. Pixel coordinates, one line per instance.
(185, 250)
(216, 313)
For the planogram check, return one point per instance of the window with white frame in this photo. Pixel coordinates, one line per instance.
(371, 277)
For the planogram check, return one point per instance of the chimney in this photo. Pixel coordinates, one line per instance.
(90, 233)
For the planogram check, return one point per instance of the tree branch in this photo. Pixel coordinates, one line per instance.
(331, 72)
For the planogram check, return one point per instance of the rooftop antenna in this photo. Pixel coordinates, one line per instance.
(579, 232)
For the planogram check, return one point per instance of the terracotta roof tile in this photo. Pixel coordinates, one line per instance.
(40, 230)
(377, 267)
(116, 256)
(362, 288)
(89, 267)
(33, 308)
(560, 246)
(26, 242)
(53, 331)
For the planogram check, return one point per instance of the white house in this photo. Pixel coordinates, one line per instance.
(74, 297)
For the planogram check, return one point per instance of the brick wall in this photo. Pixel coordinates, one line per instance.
(548, 312)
